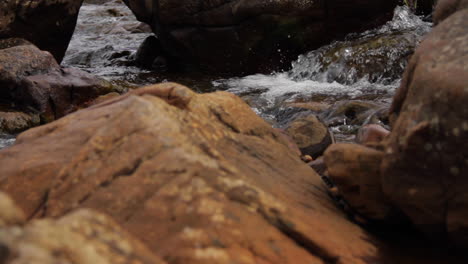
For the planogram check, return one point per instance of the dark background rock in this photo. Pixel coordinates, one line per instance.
(49, 24)
(253, 36)
(148, 51)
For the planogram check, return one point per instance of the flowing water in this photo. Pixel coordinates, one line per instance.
(364, 66)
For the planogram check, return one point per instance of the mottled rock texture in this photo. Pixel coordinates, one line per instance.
(81, 237)
(198, 178)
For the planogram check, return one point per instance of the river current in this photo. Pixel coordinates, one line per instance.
(108, 35)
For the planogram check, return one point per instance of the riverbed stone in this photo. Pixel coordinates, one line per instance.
(49, 24)
(355, 169)
(426, 161)
(31, 81)
(16, 122)
(234, 36)
(310, 134)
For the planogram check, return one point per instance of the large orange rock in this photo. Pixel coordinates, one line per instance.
(198, 178)
(81, 237)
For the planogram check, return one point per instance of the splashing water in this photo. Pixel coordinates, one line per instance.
(6, 140)
(364, 66)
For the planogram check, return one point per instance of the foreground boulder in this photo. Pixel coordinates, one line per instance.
(198, 178)
(426, 164)
(49, 24)
(31, 81)
(234, 36)
(81, 237)
(422, 165)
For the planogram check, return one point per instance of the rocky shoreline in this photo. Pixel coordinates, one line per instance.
(163, 174)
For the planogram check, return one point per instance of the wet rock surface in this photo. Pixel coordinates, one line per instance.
(253, 36)
(49, 24)
(205, 187)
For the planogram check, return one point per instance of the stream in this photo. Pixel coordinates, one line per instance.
(365, 67)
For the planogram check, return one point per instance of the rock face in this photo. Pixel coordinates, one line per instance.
(425, 168)
(198, 178)
(49, 24)
(446, 8)
(31, 81)
(81, 237)
(236, 36)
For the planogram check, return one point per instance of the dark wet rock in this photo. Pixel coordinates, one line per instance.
(310, 134)
(235, 36)
(446, 8)
(49, 24)
(426, 7)
(426, 162)
(377, 59)
(15, 122)
(80, 237)
(148, 51)
(31, 81)
(200, 172)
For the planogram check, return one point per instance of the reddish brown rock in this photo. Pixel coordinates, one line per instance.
(446, 8)
(199, 178)
(355, 170)
(426, 162)
(82, 237)
(31, 81)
